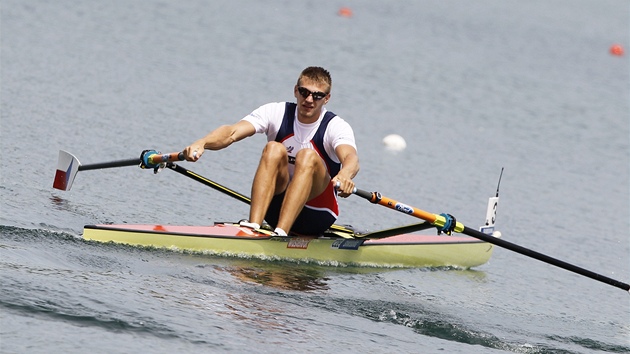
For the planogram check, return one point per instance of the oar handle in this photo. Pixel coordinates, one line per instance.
(172, 157)
(371, 196)
(156, 160)
(361, 193)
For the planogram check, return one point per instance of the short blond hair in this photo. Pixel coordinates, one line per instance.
(316, 74)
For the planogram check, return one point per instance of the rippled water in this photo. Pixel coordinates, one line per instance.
(472, 87)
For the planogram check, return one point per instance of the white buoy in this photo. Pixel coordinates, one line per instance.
(394, 142)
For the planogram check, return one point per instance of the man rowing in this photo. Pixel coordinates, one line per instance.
(309, 151)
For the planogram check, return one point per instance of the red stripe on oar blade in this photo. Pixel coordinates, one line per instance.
(61, 180)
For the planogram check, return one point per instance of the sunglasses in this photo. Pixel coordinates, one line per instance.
(304, 92)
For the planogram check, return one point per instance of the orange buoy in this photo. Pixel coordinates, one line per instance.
(616, 49)
(345, 12)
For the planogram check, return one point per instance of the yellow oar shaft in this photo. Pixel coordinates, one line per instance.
(434, 219)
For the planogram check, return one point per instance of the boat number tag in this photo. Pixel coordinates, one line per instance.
(491, 213)
(403, 208)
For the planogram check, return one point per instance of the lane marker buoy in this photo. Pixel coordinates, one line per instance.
(345, 12)
(616, 49)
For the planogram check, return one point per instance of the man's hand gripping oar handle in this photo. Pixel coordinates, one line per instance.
(156, 161)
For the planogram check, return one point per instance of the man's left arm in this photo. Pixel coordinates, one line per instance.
(349, 159)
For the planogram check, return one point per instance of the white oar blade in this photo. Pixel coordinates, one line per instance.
(67, 168)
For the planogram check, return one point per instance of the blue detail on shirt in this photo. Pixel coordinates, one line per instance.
(286, 129)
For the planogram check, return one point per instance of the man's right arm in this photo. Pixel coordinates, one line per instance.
(219, 138)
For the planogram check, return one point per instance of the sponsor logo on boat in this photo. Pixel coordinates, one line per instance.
(347, 244)
(404, 208)
(299, 242)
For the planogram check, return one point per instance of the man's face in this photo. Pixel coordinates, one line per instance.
(310, 107)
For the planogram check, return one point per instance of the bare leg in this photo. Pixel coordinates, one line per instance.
(310, 179)
(272, 177)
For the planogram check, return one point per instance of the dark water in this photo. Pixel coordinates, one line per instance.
(472, 87)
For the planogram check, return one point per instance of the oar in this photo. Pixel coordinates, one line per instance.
(442, 221)
(68, 165)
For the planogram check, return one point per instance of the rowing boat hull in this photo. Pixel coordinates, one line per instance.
(406, 250)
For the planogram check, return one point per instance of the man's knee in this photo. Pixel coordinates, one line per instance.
(274, 151)
(307, 158)
(309, 163)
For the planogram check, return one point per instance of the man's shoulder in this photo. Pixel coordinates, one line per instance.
(338, 122)
(269, 109)
(338, 128)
